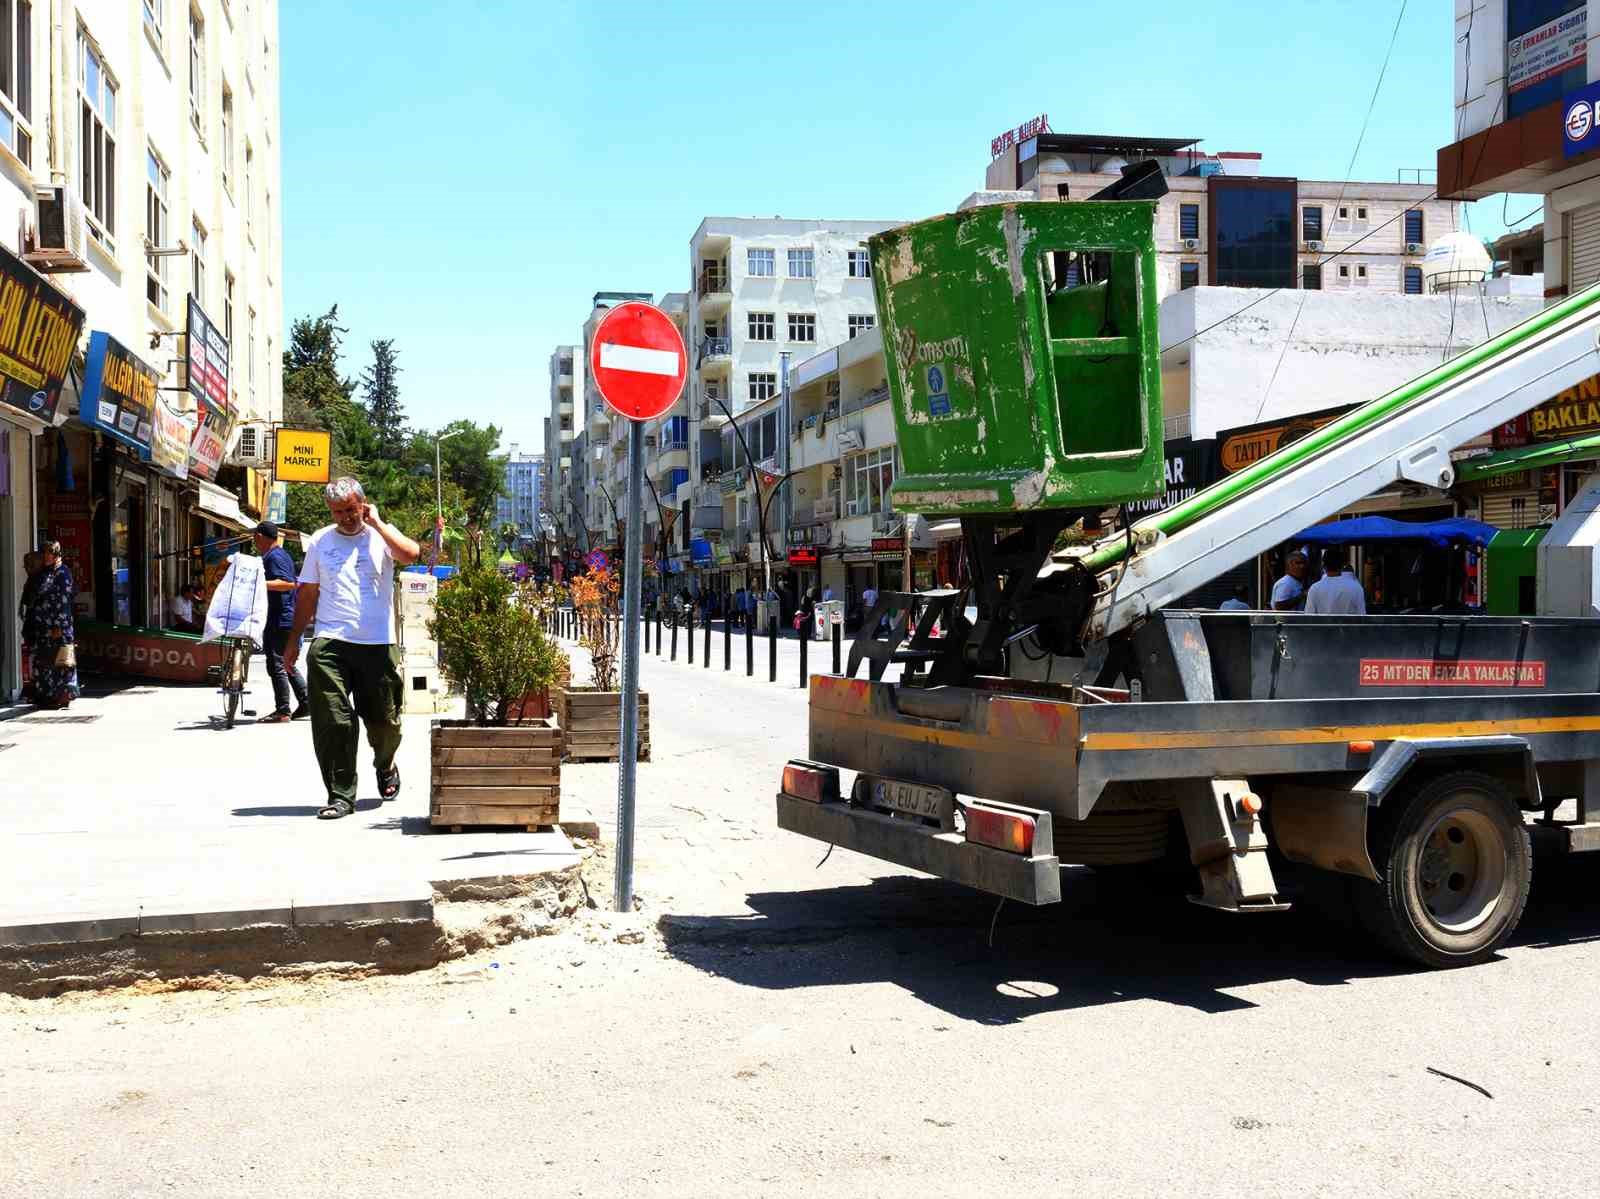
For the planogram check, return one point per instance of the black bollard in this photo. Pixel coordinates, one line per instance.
(658, 632)
(838, 644)
(689, 638)
(805, 643)
(674, 641)
(772, 652)
(727, 645)
(705, 659)
(750, 648)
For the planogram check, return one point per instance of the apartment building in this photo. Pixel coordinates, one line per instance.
(522, 500)
(140, 201)
(765, 292)
(1223, 223)
(567, 369)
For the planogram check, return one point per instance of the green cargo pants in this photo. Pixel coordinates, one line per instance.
(346, 681)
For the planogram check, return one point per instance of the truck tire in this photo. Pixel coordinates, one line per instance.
(1454, 865)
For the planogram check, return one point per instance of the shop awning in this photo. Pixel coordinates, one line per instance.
(1528, 457)
(1457, 531)
(221, 506)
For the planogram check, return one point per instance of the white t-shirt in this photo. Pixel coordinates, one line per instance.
(1337, 595)
(355, 585)
(183, 608)
(1287, 590)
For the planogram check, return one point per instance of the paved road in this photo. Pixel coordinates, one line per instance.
(834, 1031)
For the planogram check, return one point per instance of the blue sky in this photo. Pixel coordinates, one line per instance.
(464, 185)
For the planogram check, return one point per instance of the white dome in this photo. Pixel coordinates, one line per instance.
(1055, 164)
(1454, 260)
(1111, 166)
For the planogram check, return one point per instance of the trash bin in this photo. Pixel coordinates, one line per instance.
(829, 615)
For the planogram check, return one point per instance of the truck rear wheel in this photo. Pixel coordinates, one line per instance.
(1455, 865)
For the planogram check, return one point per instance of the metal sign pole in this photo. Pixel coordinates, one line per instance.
(629, 750)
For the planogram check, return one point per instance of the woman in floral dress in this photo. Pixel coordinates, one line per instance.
(49, 630)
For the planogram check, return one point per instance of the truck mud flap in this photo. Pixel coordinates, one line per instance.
(1033, 880)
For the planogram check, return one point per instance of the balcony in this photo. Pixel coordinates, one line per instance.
(714, 289)
(716, 354)
(599, 419)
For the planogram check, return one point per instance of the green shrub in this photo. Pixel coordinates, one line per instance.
(491, 644)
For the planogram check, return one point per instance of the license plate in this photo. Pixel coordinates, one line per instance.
(934, 804)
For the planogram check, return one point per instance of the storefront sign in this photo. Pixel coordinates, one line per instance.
(1547, 50)
(1190, 466)
(207, 359)
(888, 545)
(169, 448)
(1572, 412)
(1580, 118)
(119, 392)
(1511, 434)
(213, 428)
(1238, 448)
(104, 649)
(803, 557)
(302, 455)
(39, 330)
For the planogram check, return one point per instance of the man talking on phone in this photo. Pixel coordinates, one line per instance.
(353, 671)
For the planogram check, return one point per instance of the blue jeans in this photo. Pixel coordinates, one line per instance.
(284, 681)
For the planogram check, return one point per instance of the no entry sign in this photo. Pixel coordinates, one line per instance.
(638, 361)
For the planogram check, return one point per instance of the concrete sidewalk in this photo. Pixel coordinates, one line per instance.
(135, 811)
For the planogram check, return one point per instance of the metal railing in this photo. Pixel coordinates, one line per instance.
(715, 347)
(712, 282)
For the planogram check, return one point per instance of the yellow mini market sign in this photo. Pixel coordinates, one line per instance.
(302, 456)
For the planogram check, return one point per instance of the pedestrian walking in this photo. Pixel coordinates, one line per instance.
(1337, 592)
(279, 569)
(803, 614)
(353, 670)
(48, 630)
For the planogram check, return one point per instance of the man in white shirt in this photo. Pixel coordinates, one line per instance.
(1337, 592)
(1289, 591)
(347, 587)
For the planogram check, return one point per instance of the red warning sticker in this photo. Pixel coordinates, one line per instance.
(1427, 672)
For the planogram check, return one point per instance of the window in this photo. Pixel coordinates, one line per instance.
(1255, 242)
(763, 386)
(16, 78)
(152, 19)
(197, 73)
(867, 479)
(763, 326)
(250, 360)
(802, 264)
(1311, 223)
(227, 307)
(249, 196)
(802, 326)
(860, 264)
(155, 229)
(1361, 271)
(1414, 225)
(678, 477)
(1311, 277)
(227, 137)
(1344, 271)
(675, 433)
(761, 263)
(1361, 214)
(97, 149)
(1413, 280)
(1344, 214)
(1188, 275)
(1188, 220)
(859, 323)
(197, 258)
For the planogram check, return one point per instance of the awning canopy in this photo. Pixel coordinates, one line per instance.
(1456, 531)
(221, 506)
(1528, 457)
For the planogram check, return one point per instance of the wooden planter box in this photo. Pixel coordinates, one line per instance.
(497, 776)
(591, 723)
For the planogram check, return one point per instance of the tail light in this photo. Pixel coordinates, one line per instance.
(811, 780)
(1010, 831)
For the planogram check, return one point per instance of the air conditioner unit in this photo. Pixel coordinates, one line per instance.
(252, 446)
(853, 508)
(56, 242)
(1191, 243)
(1314, 246)
(881, 522)
(1414, 247)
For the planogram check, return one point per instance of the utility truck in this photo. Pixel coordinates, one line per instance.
(1057, 709)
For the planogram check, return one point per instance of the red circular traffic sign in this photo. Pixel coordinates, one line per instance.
(638, 361)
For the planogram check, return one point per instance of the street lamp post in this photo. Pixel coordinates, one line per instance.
(438, 475)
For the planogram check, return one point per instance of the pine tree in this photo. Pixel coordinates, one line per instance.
(380, 388)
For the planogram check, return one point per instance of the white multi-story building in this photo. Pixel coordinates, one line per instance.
(139, 159)
(522, 500)
(566, 384)
(765, 292)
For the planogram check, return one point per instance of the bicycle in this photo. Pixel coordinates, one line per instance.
(232, 674)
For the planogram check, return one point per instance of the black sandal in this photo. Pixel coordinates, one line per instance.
(335, 811)
(389, 783)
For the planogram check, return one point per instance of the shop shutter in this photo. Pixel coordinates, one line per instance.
(1509, 509)
(1583, 247)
